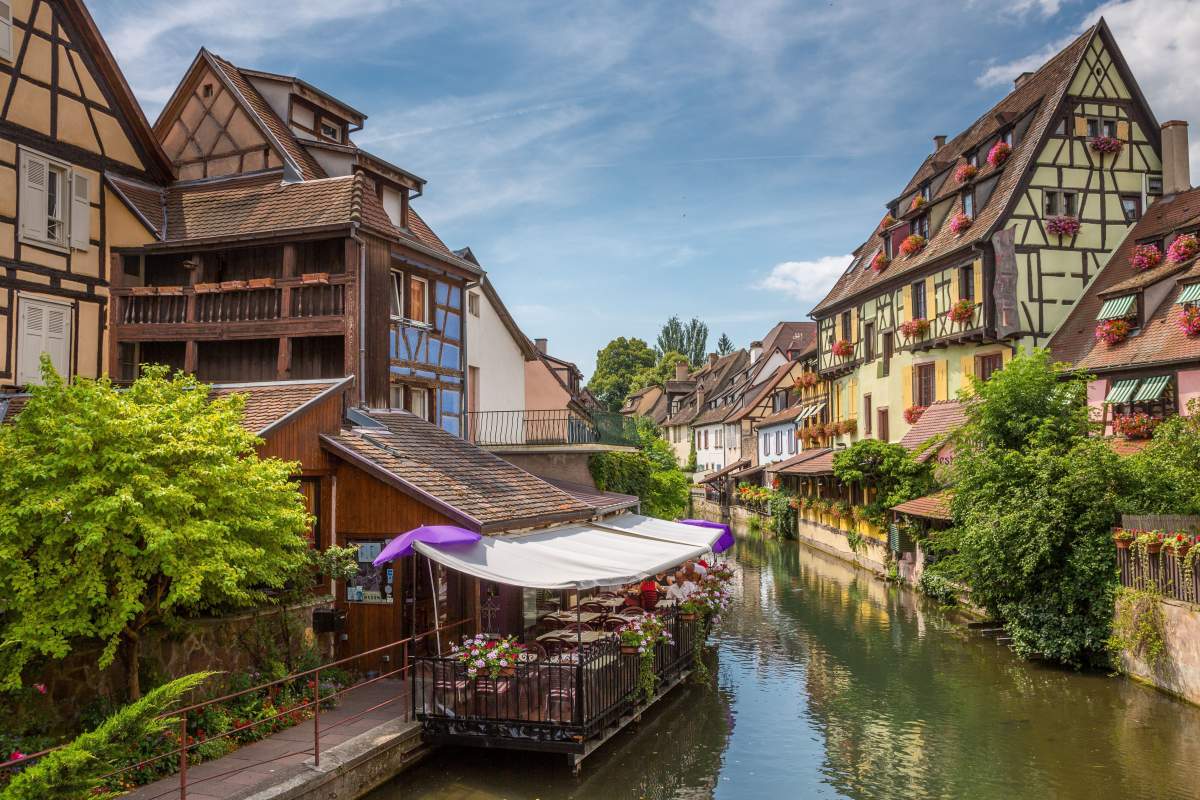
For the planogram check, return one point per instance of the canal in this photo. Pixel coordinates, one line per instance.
(833, 684)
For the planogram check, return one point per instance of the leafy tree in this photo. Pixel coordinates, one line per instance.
(659, 374)
(724, 345)
(889, 469)
(651, 474)
(691, 466)
(690, 339)
(616, 365)
(1034, 500)
(120, 510)
(76, 769)
(1164, 475)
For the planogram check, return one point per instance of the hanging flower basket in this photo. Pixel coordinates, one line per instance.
(1145, 256)
(1138, 425)
(1113, 331)
(912, 244)
(1189, 320)
(848, 426)
(1123, 538)
(960, 222)
(807, 380)
(880, 262)
(961, 312)
(913, 413)
(887, 221)
(842, 348)
(917, 202)
(1183, 248)
(914, 328)
(999, 153)
(965, 173)
(1106, 144)
(1062, 226)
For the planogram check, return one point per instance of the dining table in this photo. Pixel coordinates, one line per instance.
(565, 617)
(583, 637)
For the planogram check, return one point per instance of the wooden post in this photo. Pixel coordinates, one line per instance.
(317, 718)
(183, 757)
(190, 357)
(115, 309)
(287, 270)
(283, 365)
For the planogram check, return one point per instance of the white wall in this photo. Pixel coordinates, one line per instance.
(491, 348)
(772, 454)
(711, 458)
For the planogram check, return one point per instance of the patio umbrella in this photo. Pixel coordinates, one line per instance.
(402, 545)
(720, 545)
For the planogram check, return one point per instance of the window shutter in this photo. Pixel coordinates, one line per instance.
(854, 337)
(1081, 126)
(908, 303)
(968, 369)
(941, 374)
(6, 44)
(1123, 130)
(34, 172)
(978, 276)
(931, 303)
(31, 342)
(852, 399)
(58, 338)
(81, 212)
(906, 383)
(954, 291)
(1006, 356)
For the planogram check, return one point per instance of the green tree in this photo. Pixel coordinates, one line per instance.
(1164, 475)
(616, 365)
(651, 474)
(1034, 501)
(120, 510)
(724, 345)
(659, 374)
(76, 770)
(889, 469)
(690, 339)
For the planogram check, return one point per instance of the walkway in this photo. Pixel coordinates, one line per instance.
(260, 764)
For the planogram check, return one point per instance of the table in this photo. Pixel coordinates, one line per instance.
(571, 637)
(586, 617)
(611, 603)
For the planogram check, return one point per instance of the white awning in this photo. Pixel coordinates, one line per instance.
(578, 556)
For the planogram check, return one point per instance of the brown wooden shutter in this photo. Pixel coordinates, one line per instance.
(906, 382)
(1080, 126)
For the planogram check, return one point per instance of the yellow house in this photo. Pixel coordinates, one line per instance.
(68, 121)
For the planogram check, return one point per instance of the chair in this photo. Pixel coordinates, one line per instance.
(534, 652)
(608, 595)
(560, 693)
(613, 623)
(450, 688)
(598, 608)
(631, 612)
(573, 627)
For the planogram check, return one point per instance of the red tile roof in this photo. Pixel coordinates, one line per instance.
(931, 506)
(735, 466)
(938, 420)
(603, 502)
(788, 336)
(267, 404)
(809, 462)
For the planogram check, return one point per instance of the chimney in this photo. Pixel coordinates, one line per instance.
(712, 359)
(540, 345)
(939, 142)
(1177, 175)
(681, 370)
(755, 352)
(1024, 76)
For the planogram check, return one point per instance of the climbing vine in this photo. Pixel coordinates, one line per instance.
(1138, 625)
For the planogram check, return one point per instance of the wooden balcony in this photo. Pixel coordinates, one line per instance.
(311, 305)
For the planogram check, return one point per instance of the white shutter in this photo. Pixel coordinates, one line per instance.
(81, 212)
(34, 172)
(6, 45)
(58, 338)
(44, 328)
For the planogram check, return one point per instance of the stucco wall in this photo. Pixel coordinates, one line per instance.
(490, 348)
(712, 457)
(1189, 387)
(542, 389)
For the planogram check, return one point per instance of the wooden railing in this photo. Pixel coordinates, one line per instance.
(1163, 571)
(286, 298)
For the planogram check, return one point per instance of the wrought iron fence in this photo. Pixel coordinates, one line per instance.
(549, 427)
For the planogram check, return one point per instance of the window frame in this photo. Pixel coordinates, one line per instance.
(399, 282)
(868, 340)
(966, 282)
(1137, 200)
(988, 364)
(473, 304)
(917, 290)
(65, 174)
(920, 226)
(924, 384)
(867, 414)
(24, 301)
(6, 32)
(887, 351)
(968, 199)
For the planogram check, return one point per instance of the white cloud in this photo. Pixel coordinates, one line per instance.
(805, 280)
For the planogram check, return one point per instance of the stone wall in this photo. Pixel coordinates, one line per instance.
(872, 554)
(1178, 669)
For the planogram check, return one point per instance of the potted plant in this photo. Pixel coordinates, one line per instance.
(1189, 320)
(1178, 544)
(642, 634)
(848, 426)
(1138, 425)
(1123, 538)
(965, 173)
(315, 277)
(841, 509)
(807, 380)
(959, 223)
(999, 153)
(262, 283)
(912, 244)
(913, 413)
(1153, 542)
(880, 262)
(1145, 256)
(1183, 248)
(961, 312)
(1106, 144)
(1062, 225)
(842, 348)
(491, 657)
(887, 221)
(917, 202)
(914, 328)
(1113, 331)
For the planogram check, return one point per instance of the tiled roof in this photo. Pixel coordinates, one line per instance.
(602, 502)
(424, 234)
(931, 506)
(143, 199)
(787, 336)
(721, 473)
(1160, 340)
(938, 420)
(464, 481)
(788, 414)
(1041, 94)
(808, 462)
(760, 391)
(268, 403)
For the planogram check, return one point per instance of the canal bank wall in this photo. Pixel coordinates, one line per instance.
(1177, 670)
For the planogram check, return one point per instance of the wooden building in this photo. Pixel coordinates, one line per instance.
(69, 125)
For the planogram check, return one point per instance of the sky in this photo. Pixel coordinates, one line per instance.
(612, 163)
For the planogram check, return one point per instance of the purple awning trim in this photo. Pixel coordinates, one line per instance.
(402, 545)
(722, 544)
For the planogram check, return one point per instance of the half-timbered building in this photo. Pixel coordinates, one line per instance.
(992, 241)
(69, 126)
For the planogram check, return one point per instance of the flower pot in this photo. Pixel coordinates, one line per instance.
(629, 650)
(1182, 550)
(228, 286)
(688, 616)
(1122, 544)
(207, 288)
(262, 283)
(1154, 548)
(315, 277)
(507, 672)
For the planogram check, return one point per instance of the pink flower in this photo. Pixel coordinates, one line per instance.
(999, 153)
(41, 688)
(960, 222)
(1107, 144)
(1183, 248)
(1189, 320)
(15, 755)
(1145, 256)
(965, 172)
(1062, 226)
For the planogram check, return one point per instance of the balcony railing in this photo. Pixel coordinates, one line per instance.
(549, 427)
(233, 301)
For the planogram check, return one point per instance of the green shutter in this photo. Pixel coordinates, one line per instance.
(1121, 391)
(1151, 389)
(1190, 294)
(1116, 308)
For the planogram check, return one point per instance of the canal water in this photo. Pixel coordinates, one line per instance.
(833, 684)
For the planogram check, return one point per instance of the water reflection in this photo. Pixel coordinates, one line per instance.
(833, 684)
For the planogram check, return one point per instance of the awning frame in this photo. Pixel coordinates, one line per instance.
(1117, 307)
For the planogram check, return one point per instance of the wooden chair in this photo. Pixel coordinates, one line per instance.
(631, 612)
(614, 623)
(598, 608)
(572, 627)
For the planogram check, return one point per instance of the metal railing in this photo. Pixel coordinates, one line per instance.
(312, 705)
(550, 427)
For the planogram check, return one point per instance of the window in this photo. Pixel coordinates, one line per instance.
(846, 325)
(925, 191)
(766, 444)
(1154, 185)
(418, 402)
(869, 341)
(1093, 127)
(56, 205)
(973, 158)
(1059, 203)
(1061, 127)
(920, 226)
(473, 304)
(397, 299)
(966, 283)
(888, 348)
(792, 440)
(6, 31)
(330, 131)
(925, 380)
(1097, 126)
(208, 90)
(1131, 204)
(968, 203)
(706, 440)
(44, 327)
(882, 424)
(866, 415)
(779, 442)
(918, 300)
(418, 299)
(1007, 137)
(986, 365)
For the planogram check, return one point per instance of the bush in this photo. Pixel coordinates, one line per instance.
(652, 474)
(937, 588)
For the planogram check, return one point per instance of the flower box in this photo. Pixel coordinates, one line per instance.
(143, 291)
(1062, 226)
(262, 283)
(487, 658)
(1183, 248)
(229, 286)
(880, 262)
(962, 312)
(912, 244)
(960, 222)
(1145, 256)
(315, 277)
(1106, 144)
(913, 413)
(1123, 539)
(887, 221)
(1113, 331)
(1189, 320)
(174, 291)
(686, 616)
(965, 173)
(999, 153)
(1138, 425)
(914, 328)
(206, 288)
(917, 202)
(629, 650)
(807, 380)
(842, 348)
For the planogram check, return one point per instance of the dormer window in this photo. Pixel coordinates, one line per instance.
(1117, 307)
(1007, 137)
(973, 158)
(330, 131)
(925, 191)
(920, 226)
(968, 203)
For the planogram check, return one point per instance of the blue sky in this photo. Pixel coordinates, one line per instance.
(613, 163)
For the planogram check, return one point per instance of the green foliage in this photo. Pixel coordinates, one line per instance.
(783, 513)
(1138, 625)
(938, 588)
(616, 365)
(1164, 474)
(75, 770)
(691, 466)
(124, 509)
(690, 339)
(1034, 501)
(724, 345)
(658, 374)
(651, 474)
(889, 469)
